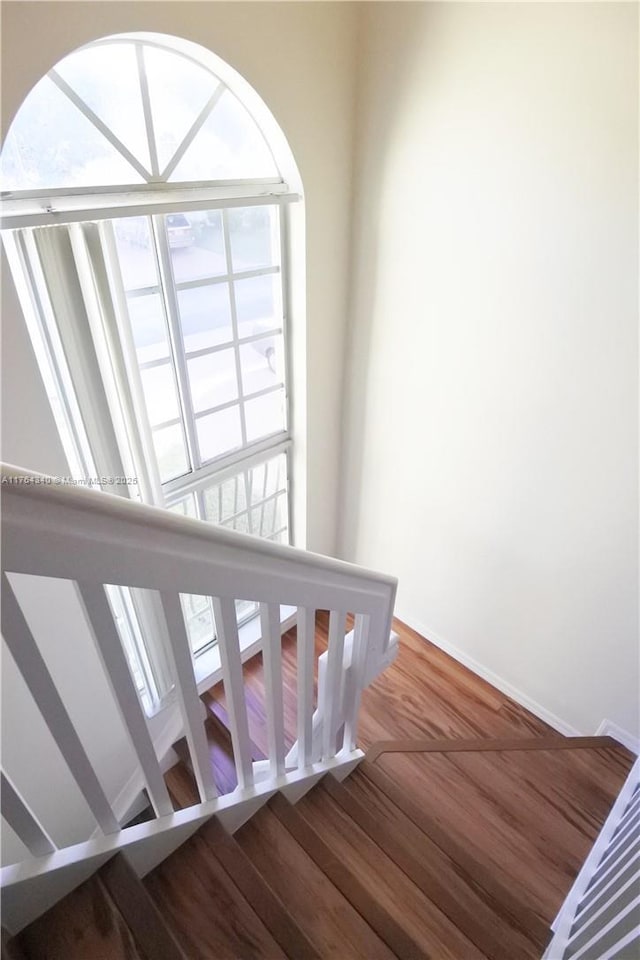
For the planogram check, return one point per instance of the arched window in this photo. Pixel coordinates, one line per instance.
(146, 193)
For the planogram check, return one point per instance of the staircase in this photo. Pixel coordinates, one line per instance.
(272, 835)
(355, 869)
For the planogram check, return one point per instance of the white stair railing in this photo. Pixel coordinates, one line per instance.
(95, 539)
(600, 917)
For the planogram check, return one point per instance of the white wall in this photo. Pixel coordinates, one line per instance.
(299, 58)
(491, 443)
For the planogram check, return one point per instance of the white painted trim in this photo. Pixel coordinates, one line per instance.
(504, 686)
(610, 729)
(42, 212)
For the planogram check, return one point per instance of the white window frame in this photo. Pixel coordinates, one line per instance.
(154, 198)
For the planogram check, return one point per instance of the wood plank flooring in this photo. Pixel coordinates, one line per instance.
(86, 924)
(207, 912)
(424, 694)
(320, 908)
(531, 816)
(456, 841)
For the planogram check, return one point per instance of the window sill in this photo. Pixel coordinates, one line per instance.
(207, 667)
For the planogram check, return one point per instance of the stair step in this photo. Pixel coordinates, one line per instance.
(139, 911)
(221, 754)
(488, 745)
(11, 949)
(440, 879)
(258, 892)
(205, 909)
(325, 915)
(84, 924)
(181, 783)
(417, 918)
(456, 847)
(218, 715)
(362, 891)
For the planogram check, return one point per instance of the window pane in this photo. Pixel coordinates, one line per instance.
(258, 304)
(148, 327)
(219, 433)
(185, 507)
(225, 499)
(245, 609)
(178, 90)
(117, 102)
(281, 518)
(240, 524)
(268, 478)
(170, 452)
(205, 316)
(265, 415)
(159, 386)
(136, 253)
(282, 537)
(268, 486)
(213, 379)
(261, 362)
(263, 517)
(254, 237)
(52, 144)
(199, 252)
(229, 145)
(199, 620)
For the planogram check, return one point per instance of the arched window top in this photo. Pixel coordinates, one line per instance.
(131, 110)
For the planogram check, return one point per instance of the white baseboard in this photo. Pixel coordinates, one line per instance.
(610, 729)
(566, 729)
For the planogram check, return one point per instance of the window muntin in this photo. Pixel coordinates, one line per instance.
(128, 112)
(210, 351)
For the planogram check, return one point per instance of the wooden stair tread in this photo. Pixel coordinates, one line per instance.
(146, 923)
(258, 892)
(219, 718)
(11, 949)
(486, 745)
(420, 920)
(443, 881)
(207, 912)
(181, 785)
(220, 755)
(319, 908)
(84, 924)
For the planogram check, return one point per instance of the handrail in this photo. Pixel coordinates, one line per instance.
(38, 486)
(53, 529)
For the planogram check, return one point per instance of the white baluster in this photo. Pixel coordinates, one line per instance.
(224, 611)
(331, 692)
(353, 693)
(31, 665)
(306, 629)
(98, 611)
(22, 821)
(187, 690)
(272, 661)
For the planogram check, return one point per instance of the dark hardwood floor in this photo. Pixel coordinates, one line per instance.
(530, 815)
(456, 839)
